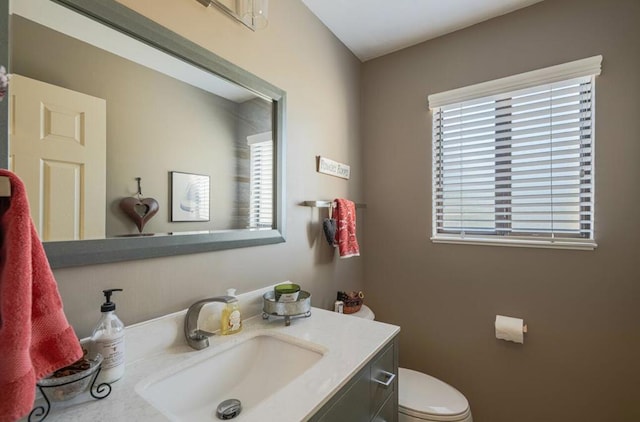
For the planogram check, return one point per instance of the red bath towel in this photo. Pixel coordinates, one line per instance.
(35, 337)
(346, 232)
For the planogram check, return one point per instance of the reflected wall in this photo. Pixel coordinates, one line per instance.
(155, 124)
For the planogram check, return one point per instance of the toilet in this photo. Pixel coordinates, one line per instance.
(423, 398)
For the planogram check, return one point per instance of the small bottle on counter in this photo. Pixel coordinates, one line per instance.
(231, 320)
(108, 340)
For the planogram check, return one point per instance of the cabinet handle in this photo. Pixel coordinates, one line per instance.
(389, 377)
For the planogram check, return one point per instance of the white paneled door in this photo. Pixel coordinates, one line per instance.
(57, 146)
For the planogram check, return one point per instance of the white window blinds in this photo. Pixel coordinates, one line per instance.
(261, 182)
(516, 167)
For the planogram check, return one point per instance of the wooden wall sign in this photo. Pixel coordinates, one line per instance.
(333, 168)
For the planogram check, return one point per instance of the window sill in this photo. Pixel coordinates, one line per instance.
(587, 245)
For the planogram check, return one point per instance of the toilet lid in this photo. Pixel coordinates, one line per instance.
(423, 395)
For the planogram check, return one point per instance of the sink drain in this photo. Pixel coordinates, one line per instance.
(229, 409)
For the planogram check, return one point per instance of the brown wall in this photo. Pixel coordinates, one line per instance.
(322, 80)
(580, 361)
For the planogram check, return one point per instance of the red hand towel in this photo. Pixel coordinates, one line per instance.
(35, 337)
(346, 233)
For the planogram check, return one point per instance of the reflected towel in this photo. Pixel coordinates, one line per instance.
(35, 337)
(346, 233)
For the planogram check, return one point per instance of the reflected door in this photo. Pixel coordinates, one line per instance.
(58, 144)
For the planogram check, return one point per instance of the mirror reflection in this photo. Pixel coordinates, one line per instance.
(93, 110)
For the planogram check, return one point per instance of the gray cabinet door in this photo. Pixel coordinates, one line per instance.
(353, 406)
(382, 371)
(363, 399)
(388, 413)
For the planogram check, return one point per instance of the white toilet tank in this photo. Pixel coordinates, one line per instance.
(423, 398)
(364, 312)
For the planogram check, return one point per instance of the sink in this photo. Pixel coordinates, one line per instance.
(249, 371)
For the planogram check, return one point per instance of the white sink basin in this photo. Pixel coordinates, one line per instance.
(250, 371)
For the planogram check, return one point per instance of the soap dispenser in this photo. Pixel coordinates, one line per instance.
(231, 320)
(108, 340)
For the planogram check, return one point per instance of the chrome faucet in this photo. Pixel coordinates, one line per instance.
(199, 339)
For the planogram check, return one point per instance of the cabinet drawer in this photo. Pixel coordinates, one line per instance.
(388, 413)
(383, 379)
(351, 406)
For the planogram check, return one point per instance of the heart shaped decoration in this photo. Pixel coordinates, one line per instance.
(330, 226)
(139, 210)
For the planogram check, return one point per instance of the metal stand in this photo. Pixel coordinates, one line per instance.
(287, 318)
(102, 390)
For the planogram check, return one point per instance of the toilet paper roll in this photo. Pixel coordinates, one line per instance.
(510, 329)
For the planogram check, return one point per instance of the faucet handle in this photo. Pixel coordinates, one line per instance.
(198, 340)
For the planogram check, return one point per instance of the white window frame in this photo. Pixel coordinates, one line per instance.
(563, 72)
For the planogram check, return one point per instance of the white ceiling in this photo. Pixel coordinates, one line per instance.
(372, 28)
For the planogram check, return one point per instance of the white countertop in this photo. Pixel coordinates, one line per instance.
(156, 345)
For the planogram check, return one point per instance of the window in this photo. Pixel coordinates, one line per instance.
(261, 181)
(513, 159)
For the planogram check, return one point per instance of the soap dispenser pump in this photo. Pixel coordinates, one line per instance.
(231, 320)
(108, 340)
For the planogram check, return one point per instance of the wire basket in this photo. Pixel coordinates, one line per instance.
(352, 301)
(75, 379)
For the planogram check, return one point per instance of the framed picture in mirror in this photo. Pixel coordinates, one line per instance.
(189, 196)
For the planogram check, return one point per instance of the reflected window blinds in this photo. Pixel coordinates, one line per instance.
(261, 185)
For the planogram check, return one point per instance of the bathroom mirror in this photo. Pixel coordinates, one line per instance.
(172, 108)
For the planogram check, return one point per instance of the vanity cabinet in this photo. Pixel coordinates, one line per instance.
(371, 395)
